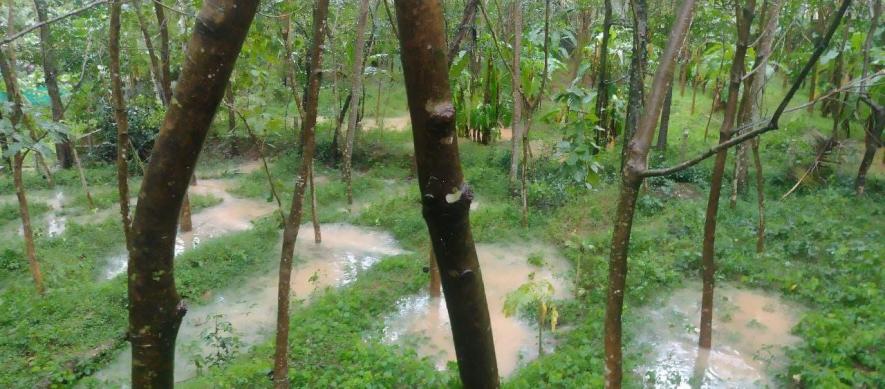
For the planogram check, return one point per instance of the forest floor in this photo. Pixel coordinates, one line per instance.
(362, 315)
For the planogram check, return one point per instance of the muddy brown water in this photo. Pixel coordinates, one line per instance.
(424, 322)
(232, 214)
(250, 306)
(751, 328)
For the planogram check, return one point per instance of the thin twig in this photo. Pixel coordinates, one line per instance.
(53, 20)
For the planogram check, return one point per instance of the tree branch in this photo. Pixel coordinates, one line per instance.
(50, 21)
(773, 122)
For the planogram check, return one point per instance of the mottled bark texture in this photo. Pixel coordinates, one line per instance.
(638, 64)
(602, 79)
(445, 196)
(744, 13)
(121, 119)
(356, 89)
(155, 308)
(293, 220)
(631, 179)
(50, 76)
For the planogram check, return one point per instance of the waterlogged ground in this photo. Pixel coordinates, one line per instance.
(423, 321)
(750, 330)
(250, 308)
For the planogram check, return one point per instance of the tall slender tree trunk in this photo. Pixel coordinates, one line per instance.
(27, 231)
(631, 180)
(293, 221)
(602, 79)
(83, 182)
(873, 132)
(445, 195)
(744, 13)
(314, 217)
(18, 117)
(121, 119)
(356, 89)
(760, 198)
(156, 73)
(165, 60)
(464, 27)
(50, 75)
(665, 121)
(517, 122)
(155, 308)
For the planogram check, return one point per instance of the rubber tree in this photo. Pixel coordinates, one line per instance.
(631, 179)
(16, 117)
(356, 89)
(602, 78)
(120, 118)
(445, 196)
(873, 132)
(638, 65)
(50, 76)
(516, 86)
(155, 308)
(293, 219)
(744, 13)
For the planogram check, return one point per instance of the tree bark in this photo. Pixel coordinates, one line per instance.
(163, 25)
(121, 119)
(463, 28)
(631, 180)
(314, 217)
(82, 174)
(27, 231)
(665, 121)
(517, 122)
(356, 89)
(638, 65)
(873, 133)
(50, 75)
(602, 79)
(156, 73)
(744, 15)
(155, 308)
(445, 196)
(293, 221)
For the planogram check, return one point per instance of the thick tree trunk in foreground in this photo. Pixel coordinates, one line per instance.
(356, 89)
(631, 179)
(155, 309)
(517, 123)
(445, 196)
(744, 15)
(293, 220)
(62, 149)
(121, 119)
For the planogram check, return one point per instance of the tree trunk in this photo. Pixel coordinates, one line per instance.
(760, 198)
(156, 73)
(62, 149)
(356, 89)
(28, 233)
(121, 119)
(293, 221)
(82, 174)
(463, 28)
(873, 133)
(631, 180)
(602, 80)
(163, 25)
(665, 121)
(638, 65)
(744, 15)
(444, 194)
(155, 308)
(516, 124)
(317, 233)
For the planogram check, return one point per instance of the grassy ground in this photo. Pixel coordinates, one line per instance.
(824, 251)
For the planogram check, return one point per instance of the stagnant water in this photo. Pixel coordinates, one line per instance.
(424, 321)
(232, 214)
(250, 307)
(750, 330)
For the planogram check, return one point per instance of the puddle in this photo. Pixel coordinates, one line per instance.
(232, 214)
(250, 307)
(424, 321)
(750, 330)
